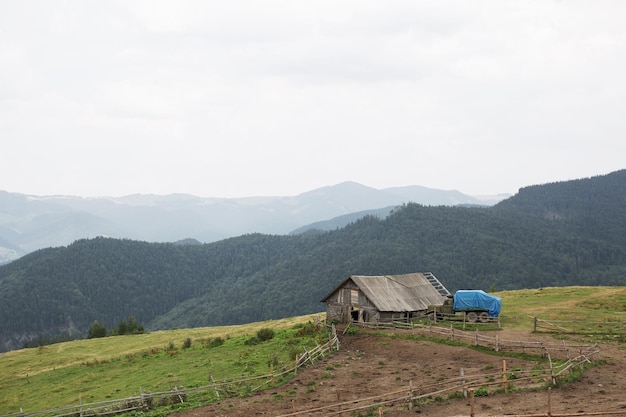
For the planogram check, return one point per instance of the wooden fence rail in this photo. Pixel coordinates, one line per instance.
(216, 390)
(614, 327)
(466, 384)
(556, 349)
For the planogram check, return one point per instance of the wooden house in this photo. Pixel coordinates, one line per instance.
(383, 298)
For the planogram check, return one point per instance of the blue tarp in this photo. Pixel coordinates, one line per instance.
(477, 299)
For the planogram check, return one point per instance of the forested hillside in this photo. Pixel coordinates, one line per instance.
(569, 233)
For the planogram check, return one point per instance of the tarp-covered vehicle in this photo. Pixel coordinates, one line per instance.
(477, 305)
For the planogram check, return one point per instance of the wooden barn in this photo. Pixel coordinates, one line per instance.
(383, 298)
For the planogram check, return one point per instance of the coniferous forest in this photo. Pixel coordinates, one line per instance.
(566, 233)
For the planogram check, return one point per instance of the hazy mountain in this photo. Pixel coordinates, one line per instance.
(30, 222)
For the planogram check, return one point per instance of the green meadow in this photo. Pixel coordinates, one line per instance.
(122, 366)
(116, 367)
(573, 304)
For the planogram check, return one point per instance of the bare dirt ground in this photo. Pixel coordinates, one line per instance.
(368, 365)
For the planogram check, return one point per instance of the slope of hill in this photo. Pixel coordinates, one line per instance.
(342, 221)
(594, 207)
(28, 223)
(255, 277)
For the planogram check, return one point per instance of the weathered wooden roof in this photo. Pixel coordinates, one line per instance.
(408, 292)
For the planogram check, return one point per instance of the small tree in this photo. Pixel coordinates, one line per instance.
(122, 328)
(130, 327)
(96, 330)
(133, 326)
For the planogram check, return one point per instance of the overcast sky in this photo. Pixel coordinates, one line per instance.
(250, 98)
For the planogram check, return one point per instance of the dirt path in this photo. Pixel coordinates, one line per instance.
(368, 365)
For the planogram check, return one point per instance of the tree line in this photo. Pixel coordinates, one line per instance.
(131, 326)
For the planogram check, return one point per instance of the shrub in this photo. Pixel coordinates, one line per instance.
(265, 334)
(308, 329)
(215, 342)
(293, 352)
(187, 343)
(252, 341)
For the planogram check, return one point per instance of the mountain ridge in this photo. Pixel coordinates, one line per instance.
(31, 222)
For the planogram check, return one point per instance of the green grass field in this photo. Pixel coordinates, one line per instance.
(584, 304)
(118, 367)
(122, 366)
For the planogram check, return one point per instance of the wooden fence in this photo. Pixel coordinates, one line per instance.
(608, 327)
(495, 342)
(465, 385)
(462, 319)
(218, 389)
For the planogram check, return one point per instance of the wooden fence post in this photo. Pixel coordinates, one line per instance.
(179, 396)
(472, 403)
(551, 370)
(144, 405)
(535, 325)
(463, 383)
(504, 378)
(549, 401)
(217, 393)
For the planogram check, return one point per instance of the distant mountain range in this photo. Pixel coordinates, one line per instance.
(28, 223)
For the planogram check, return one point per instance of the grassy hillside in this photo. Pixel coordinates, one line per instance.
(116, 367)
(583, 304)
(119, 367)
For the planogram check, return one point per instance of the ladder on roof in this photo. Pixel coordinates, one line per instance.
(436, 284)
